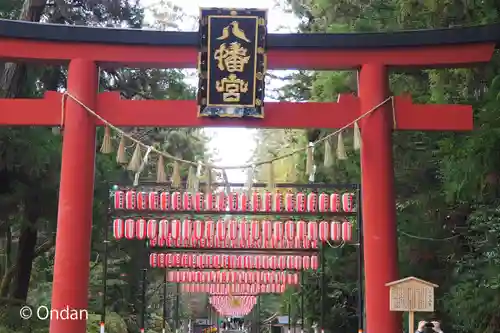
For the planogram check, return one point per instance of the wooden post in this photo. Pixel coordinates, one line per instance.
(411, 322)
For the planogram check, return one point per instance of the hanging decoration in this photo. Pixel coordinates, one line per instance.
(191, 180)
(161, 176)
(232, 276)
(235, 289)
(250, 180)
(218, 261)
(176, 175)
(309, 158)
(270, 236)
(271, 180)
(107, 146)
(121, 155)
(134, 164)
(328, 156)
(233, 305)
(268, 202)
(238, 241)
(208, 186)
(357, 137)
(341, 153)
(199, 168)
(280, 235)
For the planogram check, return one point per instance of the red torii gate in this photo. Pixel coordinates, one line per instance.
(373, 54)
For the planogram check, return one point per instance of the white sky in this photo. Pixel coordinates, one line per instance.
(234, 146)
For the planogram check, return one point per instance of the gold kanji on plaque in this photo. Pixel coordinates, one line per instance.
(232, 62)
(232, 58)
(234, 28)
(231, 88)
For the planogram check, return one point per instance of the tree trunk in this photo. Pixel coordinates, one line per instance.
(26, 249)
(25, 257)
(14, 75)
(5, 243)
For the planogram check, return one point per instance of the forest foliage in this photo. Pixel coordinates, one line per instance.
(447, 184)
(29, 177)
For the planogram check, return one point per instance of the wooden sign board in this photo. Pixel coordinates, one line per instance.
(411, 295)
(232, 62)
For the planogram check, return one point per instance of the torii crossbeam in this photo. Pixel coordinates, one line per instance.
(120, 112)
(372, 54)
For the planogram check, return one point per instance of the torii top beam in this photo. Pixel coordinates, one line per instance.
(146, 48)
(454, 47)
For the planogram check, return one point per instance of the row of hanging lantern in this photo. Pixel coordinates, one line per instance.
(223, 261)
(233, 313)
(235, 202)
(237, 244)
(233, 277)
(237, 288)
(232, 301)
(220, 300)
(233, 305)
(241, 230)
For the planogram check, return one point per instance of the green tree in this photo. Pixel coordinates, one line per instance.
(29, 180)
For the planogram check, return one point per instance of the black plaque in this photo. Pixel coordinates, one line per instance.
(232, 62)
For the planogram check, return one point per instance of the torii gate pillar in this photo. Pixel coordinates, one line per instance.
(76, 193)
(379, 215)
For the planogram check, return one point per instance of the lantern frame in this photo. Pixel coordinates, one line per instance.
(309, 240)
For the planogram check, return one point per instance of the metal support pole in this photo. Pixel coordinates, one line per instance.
(290, 313)
(105, 266)
(258, 314)
(323, 288)
(176, 309)
(359, 218)
(302, 302)
(143, 291)
(164, 323)
(255, 325)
